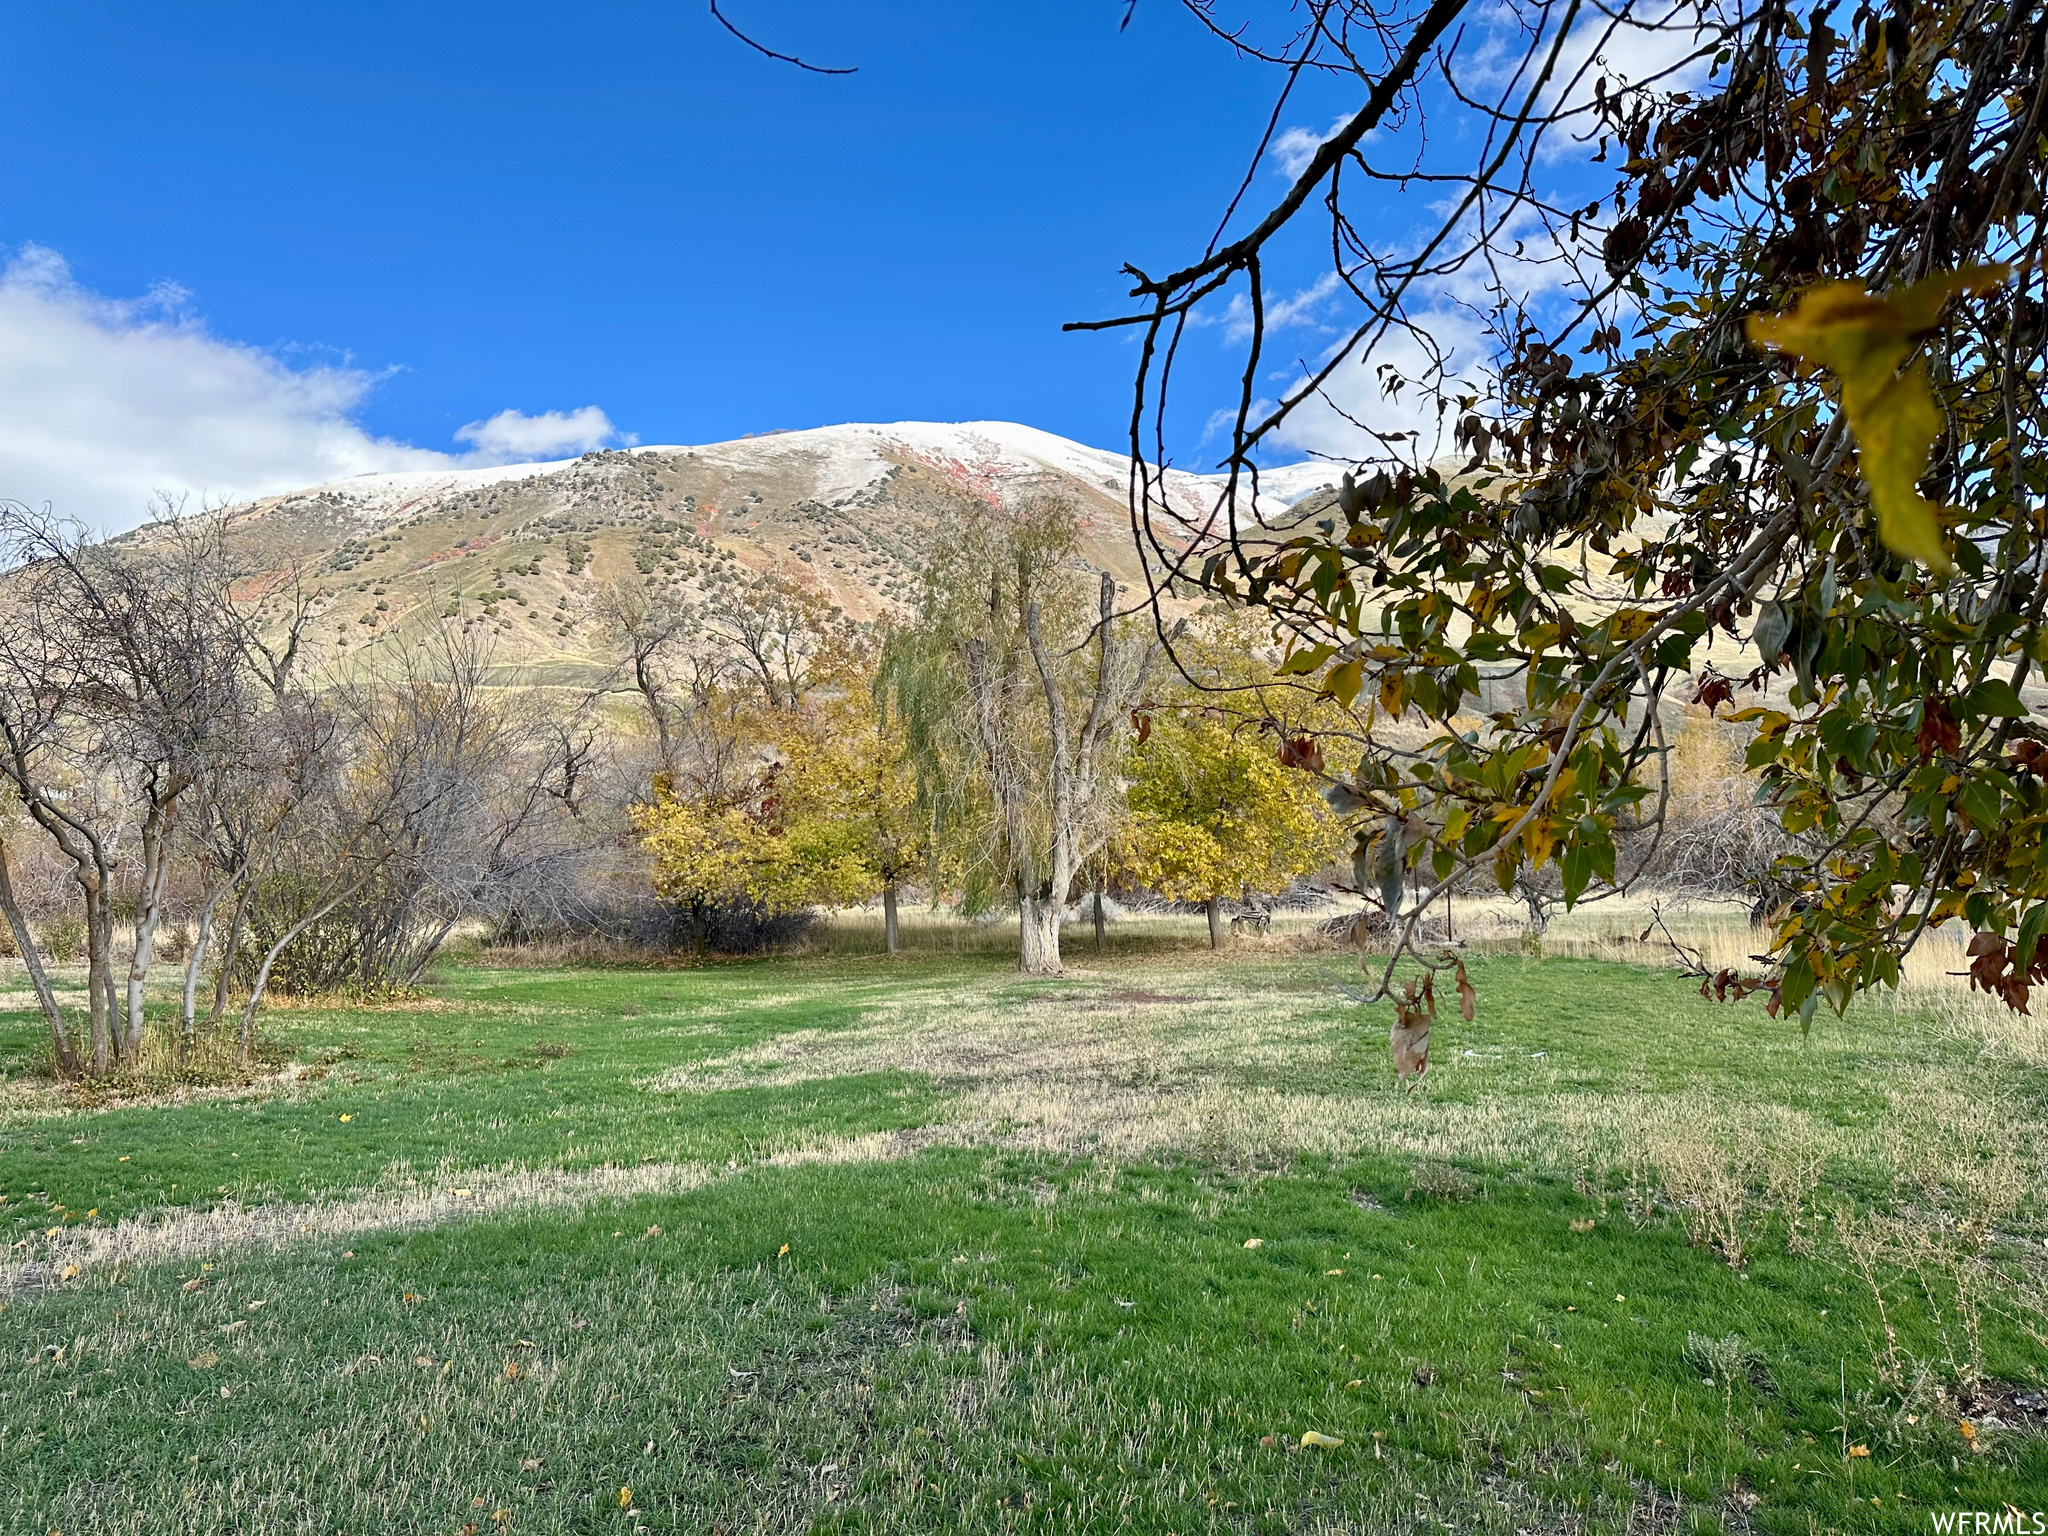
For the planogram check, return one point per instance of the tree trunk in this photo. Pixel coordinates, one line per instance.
(1038, 927)
(230, 953)
(195, 965)
(1215, 909)
(99, 977)
(889, 915)
(149, 912)
(60, 1039)
(1100, 943)
(246, 1039)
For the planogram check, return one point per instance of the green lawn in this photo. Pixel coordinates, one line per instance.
(837, 1244)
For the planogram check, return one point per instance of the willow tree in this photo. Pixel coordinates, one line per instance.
(1696, 354)
(1017, 684)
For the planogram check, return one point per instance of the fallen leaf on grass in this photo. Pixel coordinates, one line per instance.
(1254, 1242)
(625, 1498)
(1858, 1452)
(530, 1464)
(1317, 1438)
(193, 1284)
(204, 1362)
(654, 1231)
(68, 1272)
(1584, 1224)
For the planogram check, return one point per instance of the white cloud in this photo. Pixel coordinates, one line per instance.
(1334, 422)
(105, 401)
(1295, 147)
(512, 437)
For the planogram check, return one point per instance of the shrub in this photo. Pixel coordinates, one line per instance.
(64, 938)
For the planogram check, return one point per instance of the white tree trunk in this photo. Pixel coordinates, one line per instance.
(1038, 926)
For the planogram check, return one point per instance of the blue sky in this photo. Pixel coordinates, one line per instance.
(422, 215)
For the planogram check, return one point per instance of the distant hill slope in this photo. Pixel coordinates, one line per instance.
(849, 511)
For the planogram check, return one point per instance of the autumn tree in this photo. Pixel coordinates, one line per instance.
(787, 788)
(1697, 356)
(1214, 814)
(1016, 685)
(787, 839)
(851, 792)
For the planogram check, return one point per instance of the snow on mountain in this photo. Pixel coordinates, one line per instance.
(843, 462)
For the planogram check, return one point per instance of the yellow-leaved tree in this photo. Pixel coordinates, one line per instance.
(849, 798)
(813, 804)
(1219, 805)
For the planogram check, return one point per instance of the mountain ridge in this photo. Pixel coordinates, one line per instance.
(848, 512)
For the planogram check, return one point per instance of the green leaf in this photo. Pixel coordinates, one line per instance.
(1388, 868)
(2029, 936)
(1993, 697)
(1576, 865)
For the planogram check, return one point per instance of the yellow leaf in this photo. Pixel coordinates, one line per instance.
(1253, 1242)
(782, 1251)
(1344, 682)
(625, 1498)
(1327, 1442)
(204, 1362)
(69, 1272)
(1863, 339)
(346, 1118)
(1858, 1451)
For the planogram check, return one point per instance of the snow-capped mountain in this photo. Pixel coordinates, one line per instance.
(849, 511)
